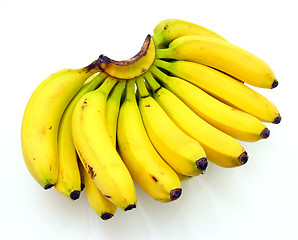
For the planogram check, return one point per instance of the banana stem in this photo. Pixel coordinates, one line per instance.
(164, 53)
(107, 86)
(130, 91)
(92, 67)
(159, 74)
(151, 80)
(158, 39)
(96, 81)
(163, 64)
(118, 90)
(142, 89)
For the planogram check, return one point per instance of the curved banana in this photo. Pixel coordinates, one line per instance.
(147, 168)
(223, 56)
(168, 30)
(221, 149)
(183, 153)
(234, 122)
(41, 121)
(225, 88)
(131, 68)
(97, 153)
(99, 203)
(69, 178)
(113, 106)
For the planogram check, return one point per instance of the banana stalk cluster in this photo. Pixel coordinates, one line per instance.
(154, 120)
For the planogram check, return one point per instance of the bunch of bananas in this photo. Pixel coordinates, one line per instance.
(152, 120)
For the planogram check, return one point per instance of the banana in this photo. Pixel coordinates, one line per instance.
(147, 168)
(168, 30)
(41, 121)
(234, 122)
(223, 56)
(183, 153)
(225, 88)
(96, 151)
(100, 204)
(113, 105)
(133, 67)
(69, 178)
(221, 149)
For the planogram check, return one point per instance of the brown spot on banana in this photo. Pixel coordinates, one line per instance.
(133, 67)
(91, 172)
(154, 179)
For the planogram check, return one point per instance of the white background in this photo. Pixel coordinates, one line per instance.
(256, 200)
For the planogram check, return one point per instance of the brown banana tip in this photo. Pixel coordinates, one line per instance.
(82, 186)
(48, 186)
(175, 193)
(202, 163)
(75, 195)
(265, 133)
(129, 207)
(243, 158)
(106, 216)
(274, 84)
(277, 120)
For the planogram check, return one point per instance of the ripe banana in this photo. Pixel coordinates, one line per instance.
(183, 153)
(234, 122)
(147, 168)
(97, 153)
(170, 29)
(99, 203)
(225, 88)
(69, 178)
(223, 56)
(41, 121)
(113, 106)
(221, 149)
(131, 68)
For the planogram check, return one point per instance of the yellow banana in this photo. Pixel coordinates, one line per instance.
(131, 68)
(223, 56)
(97, 153)
(183, 153)
(221, 149)
(41, 121)
(100, 204)
(234, 122)
(147, 168)
(168, 30)
(113, 105)
(69, 178)
(225, 88)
